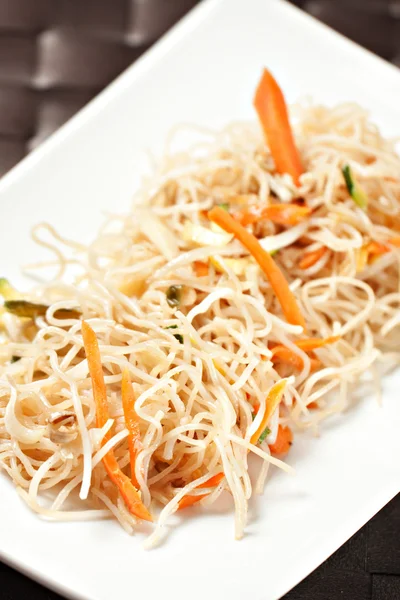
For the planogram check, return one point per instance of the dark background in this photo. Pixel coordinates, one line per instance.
(57, 54)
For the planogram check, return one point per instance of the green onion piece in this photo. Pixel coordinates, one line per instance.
(31, 310)
(224, 206)
(174, 294)
(23, 308)
(273, 252)
(354, 189)
(264, 434)
(177, 336)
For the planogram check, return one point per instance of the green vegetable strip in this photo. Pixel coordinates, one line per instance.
(355, 191)
(31, 310)
(264, 434)
(177, 336)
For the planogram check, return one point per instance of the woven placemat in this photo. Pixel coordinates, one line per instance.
(57, 54)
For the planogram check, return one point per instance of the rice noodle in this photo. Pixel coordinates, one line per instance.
(203, 367)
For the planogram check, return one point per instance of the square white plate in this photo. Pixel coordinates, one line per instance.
(204, 71)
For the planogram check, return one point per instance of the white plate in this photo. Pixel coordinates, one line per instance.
(204, 71)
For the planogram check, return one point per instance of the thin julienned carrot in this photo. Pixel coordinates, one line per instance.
(201, 269)
(284, 354)
(311, 258)
(315, 364)
(275, 276)
(272, 402)
(289, 357)
(310, 344)
(190, 500)
(131, 422)
(283, 441)
(313, 406)
(96, 373)
(282, 214)
(376, 248)
(129, 494)
(270, 105)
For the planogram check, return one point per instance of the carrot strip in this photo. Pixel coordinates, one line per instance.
(282, 214)
(313, 406)
(311, 258)
(131, 422)
(273, 399)
(376, 248)
(283, 441)
(130, 495)
(373, 250)
(275, 276)
(190, 500)
(200, 268)
(315, 364)
(310, 344)
(284, 354)
(270, 105)
(286, 214)
(289, 357)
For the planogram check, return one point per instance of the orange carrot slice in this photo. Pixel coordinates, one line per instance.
(289, 357)
(201, 269)
(311, 258)
(129, 494)
(376, 248)
(283, 441)
(395, 242)
(310, 344)
(275, 276)
(313, 406)
(131, 422)
(190, 500)
(284, 354)
(270, 105)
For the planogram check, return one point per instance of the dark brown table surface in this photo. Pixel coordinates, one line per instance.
(57, 54)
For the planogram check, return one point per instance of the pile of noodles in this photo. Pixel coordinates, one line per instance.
(200, 367)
